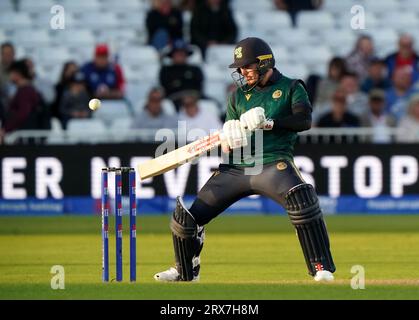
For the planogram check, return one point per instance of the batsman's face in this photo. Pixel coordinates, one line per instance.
(250, 73)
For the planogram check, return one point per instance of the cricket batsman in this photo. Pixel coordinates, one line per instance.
(265, 99)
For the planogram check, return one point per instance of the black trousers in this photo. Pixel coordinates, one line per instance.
(229, 184)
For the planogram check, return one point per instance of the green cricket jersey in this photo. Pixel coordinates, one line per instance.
(276, 97)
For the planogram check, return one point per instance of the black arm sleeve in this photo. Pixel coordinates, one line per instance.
(300, 120)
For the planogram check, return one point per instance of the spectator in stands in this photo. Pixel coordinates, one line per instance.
(405, 56)
(212, 23)
(42, 85)
(104, 79)
(153, 115)
(24, 109)
(75, 100)
(339, 116)
(398, 95)
(322, 92)
(356, 100)
(361, 56)
(377, 117)
(181, 78)
(409, 124)
(377, 77)
(164, 24)
(293, 7)
(203, 123)
(70, 68)
(7, 58)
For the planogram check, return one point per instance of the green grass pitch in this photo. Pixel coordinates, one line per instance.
(244, 257)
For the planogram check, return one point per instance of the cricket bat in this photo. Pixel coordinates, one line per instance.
(182, 155)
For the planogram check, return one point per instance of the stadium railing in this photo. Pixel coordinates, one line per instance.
(314, 135)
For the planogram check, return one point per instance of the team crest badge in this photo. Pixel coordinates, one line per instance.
(277, 94)
(238, 53)
(247, 96)
(281, 166)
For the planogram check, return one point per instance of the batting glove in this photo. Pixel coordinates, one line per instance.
(234, 134)
(253, 119)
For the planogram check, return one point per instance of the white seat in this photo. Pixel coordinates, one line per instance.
(132, 19)
(294, 37)
(36, 6)
(271, 20)
(6, 6)
(81, 5)
(53, 55)
(122, 6)
(216, 73)
(338, 6)
(221, 55)
(137, 90)
(315, 20)
(383, 37)
(121, 124)
(310, 55)
(56, 125)
(49, 71)
(252, 6)
(119, 36)
(410, 5)
(15, 20)
(82, 125)
(86, 131)
(381, 6)
(98, 20)
(139, 55)
(400, 21)
(168, 107)
(340, 41)
(216, 90)
(112, 109)
(76, 38)
(209, 106)
(3, 36)
(32, 37)
(281, 53)
(241, 18)
(196, 56)
(295, 70)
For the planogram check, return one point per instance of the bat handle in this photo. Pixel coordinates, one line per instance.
(267, 125)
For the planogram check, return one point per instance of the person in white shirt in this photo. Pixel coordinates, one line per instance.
(153, 115)
(409, 125)
(377, 118)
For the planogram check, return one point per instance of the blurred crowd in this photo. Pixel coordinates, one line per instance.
(359, 90)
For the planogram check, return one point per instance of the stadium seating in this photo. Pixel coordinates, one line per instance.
(299, 51)
(86, 131)
(112, 109)
(14, 21)
(36, 6)
(315, 20)
(209, 106)
(221, 55)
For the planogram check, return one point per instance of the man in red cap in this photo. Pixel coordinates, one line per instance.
(104, 79)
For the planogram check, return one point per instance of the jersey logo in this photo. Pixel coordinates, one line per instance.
(281, 166)
(238, 53)
(277, 94)
(248, 96)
